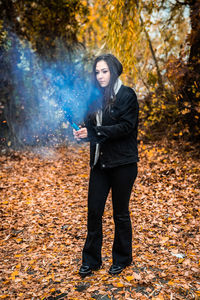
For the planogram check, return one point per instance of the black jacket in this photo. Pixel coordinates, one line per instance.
(117, 135)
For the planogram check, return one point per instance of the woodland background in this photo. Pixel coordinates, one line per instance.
(158, 43)
(46, 52)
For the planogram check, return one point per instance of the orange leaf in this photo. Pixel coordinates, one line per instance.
(119, 284)
(129, 278)
(15, 273)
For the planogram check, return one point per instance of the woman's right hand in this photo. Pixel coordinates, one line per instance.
(80, 134)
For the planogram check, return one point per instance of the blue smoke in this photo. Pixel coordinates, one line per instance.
(48, 94)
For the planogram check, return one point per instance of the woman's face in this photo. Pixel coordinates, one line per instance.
(102, 73)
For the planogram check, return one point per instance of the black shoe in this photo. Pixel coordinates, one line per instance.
(87, 270)
(115, 269)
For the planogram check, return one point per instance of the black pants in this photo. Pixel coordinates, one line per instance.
(120, 180)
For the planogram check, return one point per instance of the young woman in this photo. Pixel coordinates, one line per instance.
(112, 132)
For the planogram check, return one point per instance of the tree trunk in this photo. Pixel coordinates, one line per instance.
(160, 81)
(191, 89)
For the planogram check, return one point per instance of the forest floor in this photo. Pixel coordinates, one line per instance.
(43, 226)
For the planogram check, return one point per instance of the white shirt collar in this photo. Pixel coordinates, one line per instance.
(117, 86)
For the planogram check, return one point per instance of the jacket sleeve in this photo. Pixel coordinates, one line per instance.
(126, 122)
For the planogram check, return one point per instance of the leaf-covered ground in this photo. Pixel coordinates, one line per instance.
(43, 227)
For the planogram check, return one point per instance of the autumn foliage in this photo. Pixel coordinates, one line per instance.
(43, 203)
(43, 227)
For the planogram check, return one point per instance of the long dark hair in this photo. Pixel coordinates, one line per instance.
(116, 69)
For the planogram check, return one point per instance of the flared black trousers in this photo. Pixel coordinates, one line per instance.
(120, 180)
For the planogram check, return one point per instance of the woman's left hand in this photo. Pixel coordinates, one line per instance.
(80, 134)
